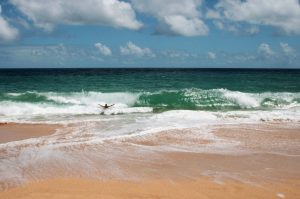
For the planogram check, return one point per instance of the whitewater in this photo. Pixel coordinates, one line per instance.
(51, 107)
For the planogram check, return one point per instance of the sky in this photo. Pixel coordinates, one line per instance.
(150, 33)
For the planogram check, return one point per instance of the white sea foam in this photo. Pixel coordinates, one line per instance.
(93, 98)
(64, 148)
(45, 113)
(187, 115)
(244, 100)
(67, 106)
(254, 100)
(20, 112)
(287, 115)
(280, 195)
(73, 104)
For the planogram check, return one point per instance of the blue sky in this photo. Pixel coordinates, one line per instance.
(150, 33)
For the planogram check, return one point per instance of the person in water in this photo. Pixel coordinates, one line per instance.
(106, 106)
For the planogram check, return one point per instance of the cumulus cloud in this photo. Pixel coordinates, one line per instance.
(286, 48)
(180, 25)
(7, 32)
(283, 14)
(48, 14)
(212, 55)
(176, 17)
(132, 49)
(104, 50)
(265, 50)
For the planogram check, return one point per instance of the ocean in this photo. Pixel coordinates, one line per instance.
(157, 112)
(66, 95)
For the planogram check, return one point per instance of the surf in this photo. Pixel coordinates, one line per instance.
(33, 106)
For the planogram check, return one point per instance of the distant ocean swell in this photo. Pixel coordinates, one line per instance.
(31, 103)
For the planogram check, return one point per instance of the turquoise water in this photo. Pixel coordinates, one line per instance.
(79, 91)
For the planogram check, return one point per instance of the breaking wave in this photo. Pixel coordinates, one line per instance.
(87, 103)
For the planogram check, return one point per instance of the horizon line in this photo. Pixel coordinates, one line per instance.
(238, 68)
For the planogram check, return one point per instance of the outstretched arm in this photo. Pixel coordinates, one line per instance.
(101, 105)
(111, 105)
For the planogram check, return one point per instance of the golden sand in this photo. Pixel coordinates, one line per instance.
(199, 189)
(13, 131)
(175, 174)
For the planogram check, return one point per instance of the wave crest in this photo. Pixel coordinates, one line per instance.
(78, 103)
(217, 100)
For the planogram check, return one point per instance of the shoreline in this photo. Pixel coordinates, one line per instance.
(20, 131)
(144, 167)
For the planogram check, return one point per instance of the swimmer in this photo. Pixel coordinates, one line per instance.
(106, 106)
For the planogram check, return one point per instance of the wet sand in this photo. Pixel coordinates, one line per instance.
(199, 189)
(263, 162)
(14, 131)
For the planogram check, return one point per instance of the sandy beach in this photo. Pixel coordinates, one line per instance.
(199, 189)
(264, 164)
(14, 131)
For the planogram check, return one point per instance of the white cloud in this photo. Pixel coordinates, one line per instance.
(132, 49)
(238, 29)
(104, 50)
(265, 50)
(235, 28)
(252, 30)
(213, 14)
(287, 49)
(7, 32)
(212, 55)
(48, 55)
(181, 25)
(283, 14)
(176, 17)
(219, 24)
(176, 54)
(48, 14)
